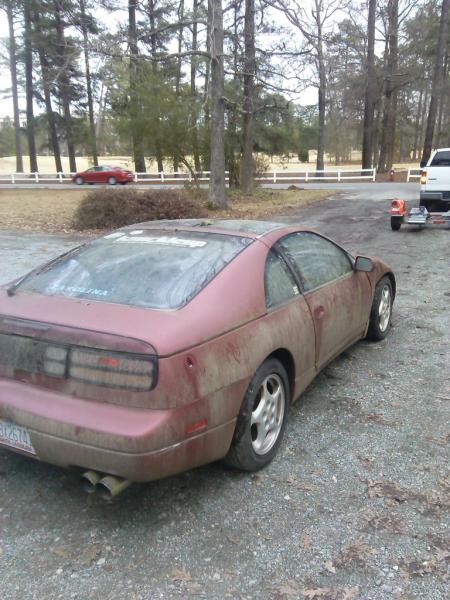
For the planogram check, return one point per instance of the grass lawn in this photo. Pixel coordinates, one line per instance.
(53, 210)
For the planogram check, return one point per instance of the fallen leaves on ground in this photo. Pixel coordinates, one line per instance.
(292, 589)
(378, 418)
(386, 521)
(355, 554)
(74, 553)
(180, 575)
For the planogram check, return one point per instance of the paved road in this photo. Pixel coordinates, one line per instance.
(386, 190)
(356, 502)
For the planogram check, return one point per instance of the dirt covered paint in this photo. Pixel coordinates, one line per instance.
(206, 354)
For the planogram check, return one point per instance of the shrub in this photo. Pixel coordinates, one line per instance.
(110, 208)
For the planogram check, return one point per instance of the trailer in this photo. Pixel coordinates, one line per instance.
(416, 216)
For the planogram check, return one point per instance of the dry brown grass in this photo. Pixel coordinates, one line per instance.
(53, 210)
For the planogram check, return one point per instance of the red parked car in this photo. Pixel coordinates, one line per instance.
(104, 174)
(167, 345)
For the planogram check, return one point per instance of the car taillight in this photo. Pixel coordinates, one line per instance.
(423, 177)
(55, 360)
(112, 369)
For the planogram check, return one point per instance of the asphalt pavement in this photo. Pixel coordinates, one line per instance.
(355, 505)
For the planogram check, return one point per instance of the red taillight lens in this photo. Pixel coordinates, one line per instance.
(423, 177)
(112, 369)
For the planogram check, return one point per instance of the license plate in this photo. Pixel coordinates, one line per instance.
(15, 436)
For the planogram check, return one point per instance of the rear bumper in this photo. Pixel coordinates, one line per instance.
(435, 201)
(137, 444)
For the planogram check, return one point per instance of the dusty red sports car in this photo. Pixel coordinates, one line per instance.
(168, 345)
(104, 174)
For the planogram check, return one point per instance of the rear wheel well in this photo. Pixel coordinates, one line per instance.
(392, 280)
(287, 360)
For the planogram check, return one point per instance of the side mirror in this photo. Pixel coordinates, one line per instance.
(363, 263)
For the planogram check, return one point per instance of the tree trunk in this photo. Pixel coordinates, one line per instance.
(320, 164)
(136, 125)
(437, 82)
(29, 87)
(64, 85)
(417, 126)
(390, 94)
(216, 193)
(195, 149)
(93, 140)
(176, 158)
(248, 166)
(369, 101)
(46, 84)
(13, 69)
(443, 99)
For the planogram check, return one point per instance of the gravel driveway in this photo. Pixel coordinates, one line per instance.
(356, 504)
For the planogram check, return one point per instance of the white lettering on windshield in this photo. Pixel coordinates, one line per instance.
(163, 241)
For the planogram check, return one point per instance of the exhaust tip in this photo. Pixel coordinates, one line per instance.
(110, 486)
(90, 480)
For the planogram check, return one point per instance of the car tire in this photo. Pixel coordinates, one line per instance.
(262, 419)
(112, 180)
(381, 312)
(79, 180)
(396, 223)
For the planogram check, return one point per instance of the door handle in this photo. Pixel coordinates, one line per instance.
(319, 312)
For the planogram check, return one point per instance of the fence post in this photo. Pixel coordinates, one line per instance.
(374, 176)
(60, 177)
(306, 176)
(274, 176)
(36, 177)
(162, 176)
(408, 176)
(13, 179)
(135, 177)
(339, 175)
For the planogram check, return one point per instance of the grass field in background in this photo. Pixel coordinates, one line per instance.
(52, 210)
(46, 164)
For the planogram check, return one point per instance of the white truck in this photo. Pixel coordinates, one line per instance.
(435, 182)
(434, 207)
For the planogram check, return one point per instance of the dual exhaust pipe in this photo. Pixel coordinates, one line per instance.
(108, 486)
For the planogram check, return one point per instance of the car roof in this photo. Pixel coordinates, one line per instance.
(244, 227)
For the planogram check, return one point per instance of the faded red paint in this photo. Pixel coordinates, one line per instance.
(207, 353)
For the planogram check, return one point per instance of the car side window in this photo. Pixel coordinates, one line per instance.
(279, 283)
(316, 260)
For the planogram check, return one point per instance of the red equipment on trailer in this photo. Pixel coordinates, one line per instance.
(418, 216)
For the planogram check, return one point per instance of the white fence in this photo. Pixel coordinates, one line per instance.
(413, 174)
(309, 175)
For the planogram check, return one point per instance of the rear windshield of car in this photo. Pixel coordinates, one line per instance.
(441, 159)
(153, 269)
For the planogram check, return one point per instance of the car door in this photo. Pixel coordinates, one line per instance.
(89, 175)
(291, 324)
(337, 295)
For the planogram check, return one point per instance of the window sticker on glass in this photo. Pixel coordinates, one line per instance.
(72, 289)
(115, 234)
(163, 241)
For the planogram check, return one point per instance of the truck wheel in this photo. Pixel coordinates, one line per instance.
(396, 223)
